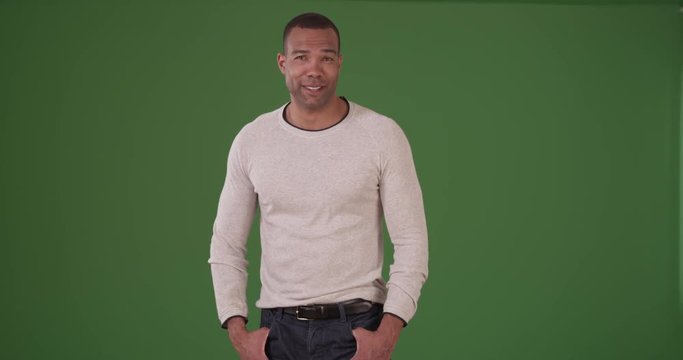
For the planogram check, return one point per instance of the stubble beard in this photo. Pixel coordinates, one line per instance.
(311, 103)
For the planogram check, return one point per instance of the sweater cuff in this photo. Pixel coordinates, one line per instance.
(400, 304)
(224, 325)
(225, 316)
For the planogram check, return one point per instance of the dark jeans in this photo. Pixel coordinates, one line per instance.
(329, 339)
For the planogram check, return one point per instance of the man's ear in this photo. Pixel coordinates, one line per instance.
(281, 62)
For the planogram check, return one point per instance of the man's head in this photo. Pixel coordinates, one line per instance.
(310, 21)
(311, 60)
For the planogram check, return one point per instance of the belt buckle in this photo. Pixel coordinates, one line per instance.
(322, 311)
(297, 315)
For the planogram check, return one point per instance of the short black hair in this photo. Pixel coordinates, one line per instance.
(310, 20)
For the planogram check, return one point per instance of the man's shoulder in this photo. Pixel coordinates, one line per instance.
(261, 125)
(268, 119)
(375, 122)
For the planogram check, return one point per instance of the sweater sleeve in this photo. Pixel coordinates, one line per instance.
(403, 208)
(228, 250)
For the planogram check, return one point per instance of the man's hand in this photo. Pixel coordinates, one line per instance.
(251, 345)
(378, 345)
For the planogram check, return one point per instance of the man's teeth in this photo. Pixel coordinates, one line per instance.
(313, 87)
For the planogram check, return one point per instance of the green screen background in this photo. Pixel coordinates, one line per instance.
(546, 137)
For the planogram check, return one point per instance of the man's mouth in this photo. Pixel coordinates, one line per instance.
(313, 87)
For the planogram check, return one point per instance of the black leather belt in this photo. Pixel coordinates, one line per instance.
(328, 311)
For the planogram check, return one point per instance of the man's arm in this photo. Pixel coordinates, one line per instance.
(403, 208)
(234, 217)
(228, 251)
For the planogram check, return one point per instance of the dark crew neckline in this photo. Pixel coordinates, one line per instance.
(348, 109)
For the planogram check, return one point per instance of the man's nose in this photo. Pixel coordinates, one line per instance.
(314, 69)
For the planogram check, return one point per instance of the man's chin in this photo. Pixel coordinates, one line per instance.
(313, 104)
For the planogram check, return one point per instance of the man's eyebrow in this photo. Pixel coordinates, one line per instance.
(301, 51)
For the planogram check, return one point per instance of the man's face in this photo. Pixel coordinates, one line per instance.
(311, 66)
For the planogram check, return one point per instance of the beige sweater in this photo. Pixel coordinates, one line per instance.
(321, 195)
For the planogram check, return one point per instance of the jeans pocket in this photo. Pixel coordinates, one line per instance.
(337, 340)
(368, 320)
(266, 318)
(270, 339)
(355, 341)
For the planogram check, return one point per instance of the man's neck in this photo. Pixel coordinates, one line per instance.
(316, 119)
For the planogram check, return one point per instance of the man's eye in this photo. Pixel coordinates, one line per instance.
(300, 57)
(327, 59)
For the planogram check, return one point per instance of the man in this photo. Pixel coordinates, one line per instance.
(323, 171)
